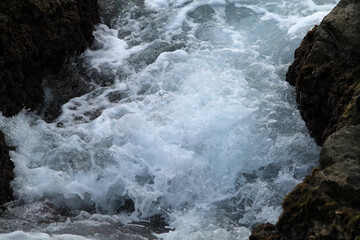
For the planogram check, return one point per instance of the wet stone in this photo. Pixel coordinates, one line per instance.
(202, 14)
(151, 53)
(117, 96)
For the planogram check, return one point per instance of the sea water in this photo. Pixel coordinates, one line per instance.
(191, 120)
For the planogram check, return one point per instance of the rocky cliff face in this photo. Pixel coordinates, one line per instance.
(326, 71)
(326, 74)
(35, 38)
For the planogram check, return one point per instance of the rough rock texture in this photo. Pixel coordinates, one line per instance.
(6, 173)
(326, 70)
(327, 204)
(36, 36)
(326, 73)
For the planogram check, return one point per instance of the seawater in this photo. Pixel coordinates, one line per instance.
(191, 120)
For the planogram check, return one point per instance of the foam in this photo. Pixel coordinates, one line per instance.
(206, 127)
(39, 236)
(157, 4)
(114, 50)
(307, 21)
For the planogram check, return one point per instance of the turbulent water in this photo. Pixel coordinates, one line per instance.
(191, 120)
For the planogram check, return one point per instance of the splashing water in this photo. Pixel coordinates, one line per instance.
(192, 120)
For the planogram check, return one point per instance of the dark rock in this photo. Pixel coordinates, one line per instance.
(265, 231)
(109, 9)
(36, 36)
(6, 171)
(116, 96)
(326, 70)
(62, 86)
(327, 204)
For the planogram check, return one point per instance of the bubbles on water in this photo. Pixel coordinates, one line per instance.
(191, 120)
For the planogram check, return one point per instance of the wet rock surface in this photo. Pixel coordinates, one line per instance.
(58, 88)
(6, 171)
(37, 216)
(326, 74)
(36, 36)
(327, 204)
(326, 71)
(35, 39)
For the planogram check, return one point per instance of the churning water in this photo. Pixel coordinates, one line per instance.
(191, 120)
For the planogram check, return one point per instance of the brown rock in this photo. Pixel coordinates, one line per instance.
(266, 231)
(326, 70)
(327, 204)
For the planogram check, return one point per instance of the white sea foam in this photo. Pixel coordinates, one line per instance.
(307, 21)
(201, 128)
(113, 51)
(39, 236)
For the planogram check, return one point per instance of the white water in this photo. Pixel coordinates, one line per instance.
(196, 122)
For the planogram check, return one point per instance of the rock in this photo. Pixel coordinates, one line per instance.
(109, 9)
(326, 71)
(152, 52)
(342, 146)
(36, 36)
(6, 171)
(202, 14)
(326, 74)
(265, 231)
(327, 204)
(59, 88)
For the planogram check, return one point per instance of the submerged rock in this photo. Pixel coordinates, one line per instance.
(326, 73)
(36, 36)
(202, 14)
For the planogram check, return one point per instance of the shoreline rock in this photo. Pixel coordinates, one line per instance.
(326, 74)
(36, 36)
(6, 171)
(326, 71)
